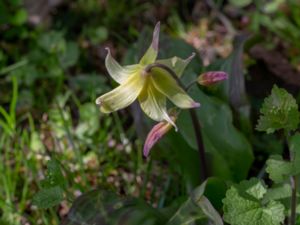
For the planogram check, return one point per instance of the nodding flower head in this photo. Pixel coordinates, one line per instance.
(151, 87)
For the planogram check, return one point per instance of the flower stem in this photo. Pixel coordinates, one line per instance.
(201, 149)
(293, 200)
(168, 69)
(196, 123)
(293, 180)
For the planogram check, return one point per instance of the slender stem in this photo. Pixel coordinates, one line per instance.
(201, 149)
(190, 85)
(168, 69)
(293, 200)
(196, 123)
(293, 180)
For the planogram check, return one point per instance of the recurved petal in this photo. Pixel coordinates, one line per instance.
(177, 64)
(116, 71)
(168, 86)
(151, 54)
(153, 103)
(122, 96)
(156, 133)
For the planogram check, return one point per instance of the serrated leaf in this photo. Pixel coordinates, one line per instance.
(242, 209)
(255, 188)
(278, 169)
(279, 111)
(276, 193)
(47, 198)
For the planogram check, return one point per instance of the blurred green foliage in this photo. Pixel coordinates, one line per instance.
(55, 145)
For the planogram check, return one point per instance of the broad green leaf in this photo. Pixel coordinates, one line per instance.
(101, 207)
(187, 159)
(196, 208)
(47, 198)
(215, 191)
(277, 193)
(243, 205)
(279, 111)
(231, 153)
(233, 90)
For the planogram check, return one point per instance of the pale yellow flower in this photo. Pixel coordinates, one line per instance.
(149, 84)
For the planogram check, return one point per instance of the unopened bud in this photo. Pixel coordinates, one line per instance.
(156, 133)
(212, 77)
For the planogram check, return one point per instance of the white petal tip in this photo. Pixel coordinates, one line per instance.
(195, 104)
(188, 59)
(98, 101)
(156, 36)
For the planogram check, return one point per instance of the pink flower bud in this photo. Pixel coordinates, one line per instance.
(156, 133)
(211, 77)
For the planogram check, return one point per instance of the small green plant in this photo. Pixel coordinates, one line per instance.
(251, 201)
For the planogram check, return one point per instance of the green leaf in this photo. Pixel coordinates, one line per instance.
(233, 90)
(240, 3)
(231, 153)
(47, 198)
(279, 111)
(90, 85)
(280, 192)
(20, 17)
(52, 42)
(88, 123)
(195, 208)
(102, 207)
(54, 174)
(279, 169)
(70, 56)
(96, 34)
(243, 205)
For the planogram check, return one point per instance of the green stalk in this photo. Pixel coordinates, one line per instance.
(293, 200)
